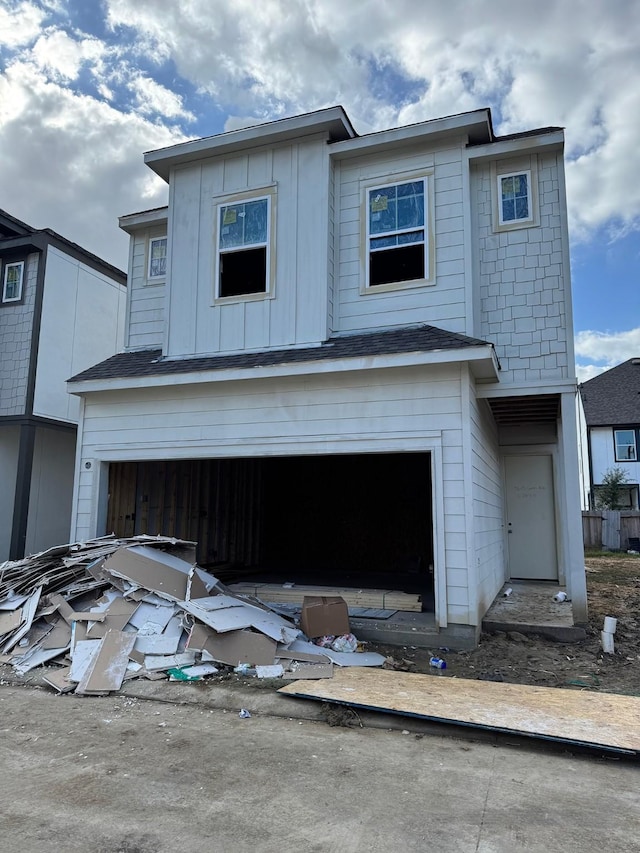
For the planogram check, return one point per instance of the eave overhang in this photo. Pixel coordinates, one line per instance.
(333, 122)
(482, 362)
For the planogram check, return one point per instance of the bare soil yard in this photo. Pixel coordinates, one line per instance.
(613, 582)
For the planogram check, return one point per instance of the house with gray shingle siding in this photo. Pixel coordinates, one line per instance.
(611, 410)
(61, 309)
(348, 362)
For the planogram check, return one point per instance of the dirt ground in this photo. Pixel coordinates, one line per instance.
(613, 584)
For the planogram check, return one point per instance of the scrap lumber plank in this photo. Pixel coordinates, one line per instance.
(604, 720)
(383, 599)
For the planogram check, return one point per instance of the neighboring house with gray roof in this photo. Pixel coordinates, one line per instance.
(61, 308)
(348, 361)
(611, 407)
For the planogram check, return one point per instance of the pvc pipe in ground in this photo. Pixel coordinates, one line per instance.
(610, 624)
(607, 642)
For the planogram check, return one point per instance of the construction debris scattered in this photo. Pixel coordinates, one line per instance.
(109, 610)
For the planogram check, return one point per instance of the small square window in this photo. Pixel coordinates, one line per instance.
(514, 198)
(157, 258)
(396, 233)
(244, 247)
(12, 282)
(625, 445)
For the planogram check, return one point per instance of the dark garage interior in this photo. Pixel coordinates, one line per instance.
(360, 521)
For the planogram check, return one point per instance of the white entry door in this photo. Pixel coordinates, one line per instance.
(531, 525)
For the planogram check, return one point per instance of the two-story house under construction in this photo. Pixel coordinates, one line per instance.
(348, 361)
(61, 308)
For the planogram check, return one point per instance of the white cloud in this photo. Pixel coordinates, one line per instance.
(550, 63)
(62, 56)
(74, 163)
(610, 347)
(152, 98)
(20, 23)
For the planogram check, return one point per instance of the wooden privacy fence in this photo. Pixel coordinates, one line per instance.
(617, 530)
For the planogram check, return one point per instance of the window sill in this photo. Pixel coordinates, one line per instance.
(242, 297)
(368, 290)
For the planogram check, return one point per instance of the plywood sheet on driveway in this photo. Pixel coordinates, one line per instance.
(605, 720)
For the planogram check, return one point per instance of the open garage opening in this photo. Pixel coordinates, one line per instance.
(354, 521)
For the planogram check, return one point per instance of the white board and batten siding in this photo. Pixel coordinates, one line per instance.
(413, 409)
(295, 314)
(146, 299)
(442, 302)
(523, 275)
(82, 323)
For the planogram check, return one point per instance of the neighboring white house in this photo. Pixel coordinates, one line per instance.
(349, 359)
(611, 408)
(61, 308)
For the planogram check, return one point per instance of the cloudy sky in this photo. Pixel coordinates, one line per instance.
(86, 86)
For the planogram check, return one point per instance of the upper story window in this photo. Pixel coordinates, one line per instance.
(625, 445)
(12, 282)
(244, 247)
(397, 233)
(157, 267)
(514, 198)
(514, 193)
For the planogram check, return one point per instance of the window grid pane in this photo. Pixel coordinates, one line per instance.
(514, 197)
(625, 441)
(158, 258)
(13, 282)
(396, 208)
(244, 224)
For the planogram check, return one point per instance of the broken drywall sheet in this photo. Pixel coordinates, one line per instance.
(10, 620)
(12, 602)
(164, 643)
(152, 618)
(28, 613)
(108, 666)
(158, 571)
(339, 658)
(83, 653)
(233, 648)
(36, 657)
(152, 663)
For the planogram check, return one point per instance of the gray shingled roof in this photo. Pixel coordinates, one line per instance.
(151, 362)
(613, 397)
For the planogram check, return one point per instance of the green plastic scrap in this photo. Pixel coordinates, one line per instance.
(176, 674)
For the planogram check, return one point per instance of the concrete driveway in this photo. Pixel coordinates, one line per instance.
(138, 774)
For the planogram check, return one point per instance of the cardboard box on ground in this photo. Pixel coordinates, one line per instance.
(324, 616)
(108, 610)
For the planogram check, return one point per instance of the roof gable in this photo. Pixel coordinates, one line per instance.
(613, 397)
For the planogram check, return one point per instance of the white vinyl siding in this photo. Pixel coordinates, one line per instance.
(488, 510)
(146, 316)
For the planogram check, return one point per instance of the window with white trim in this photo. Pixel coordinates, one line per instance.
(514, 198)
(157, 265)
(625, 445)
(397, 233)
(244, 237)
(12, 281)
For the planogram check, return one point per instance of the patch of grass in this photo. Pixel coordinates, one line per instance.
(593, 553)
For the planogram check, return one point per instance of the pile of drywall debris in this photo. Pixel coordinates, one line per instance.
(110, 609)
